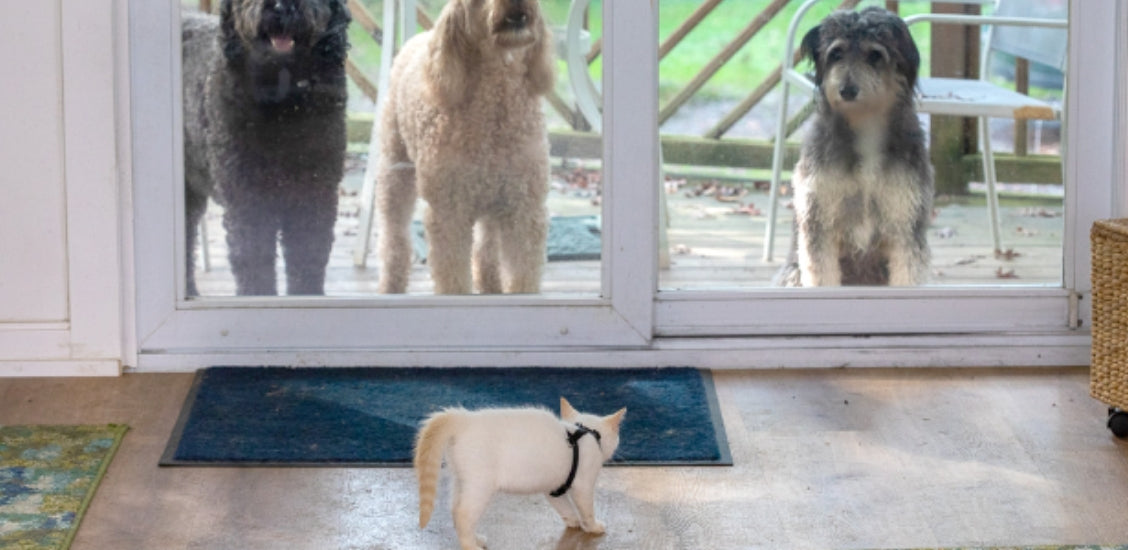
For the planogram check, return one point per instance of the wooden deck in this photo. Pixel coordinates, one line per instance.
(717, 244)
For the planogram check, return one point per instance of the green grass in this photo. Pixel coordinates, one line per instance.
(755, 60)
(751, 64)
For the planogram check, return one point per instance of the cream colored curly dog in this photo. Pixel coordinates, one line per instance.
(462, 127)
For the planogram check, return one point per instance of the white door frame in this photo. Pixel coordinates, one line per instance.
(632, 323)
(173, 333)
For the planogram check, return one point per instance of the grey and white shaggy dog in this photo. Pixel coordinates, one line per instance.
(863, 183)
(463, 128)
(264, 133)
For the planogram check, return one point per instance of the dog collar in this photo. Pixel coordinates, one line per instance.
(573, 441)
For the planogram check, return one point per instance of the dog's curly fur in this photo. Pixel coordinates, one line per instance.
(463, 128)
(264, 133)
(863, 183)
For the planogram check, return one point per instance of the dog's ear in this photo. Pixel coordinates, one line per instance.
(233, 48)
(809, 48)
(908, 57)
(541, 60)
(333, 44)
(453, 53)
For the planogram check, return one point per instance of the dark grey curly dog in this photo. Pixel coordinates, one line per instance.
(264, 133)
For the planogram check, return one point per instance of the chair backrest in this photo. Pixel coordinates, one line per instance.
(1038, 44)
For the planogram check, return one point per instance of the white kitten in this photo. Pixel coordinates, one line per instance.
(522, 451)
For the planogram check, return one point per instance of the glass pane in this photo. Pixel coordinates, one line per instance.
(511, 160)
(870, 215)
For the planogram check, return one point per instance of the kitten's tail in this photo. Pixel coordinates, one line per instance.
(430, 444)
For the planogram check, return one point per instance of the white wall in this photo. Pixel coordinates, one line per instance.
(32, 214)
(60, 238)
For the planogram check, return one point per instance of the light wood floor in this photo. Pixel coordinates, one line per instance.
(824, 459)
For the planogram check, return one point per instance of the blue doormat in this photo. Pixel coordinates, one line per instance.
(282, 416)
(570, 239)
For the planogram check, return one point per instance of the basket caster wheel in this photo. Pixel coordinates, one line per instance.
(1118, 423)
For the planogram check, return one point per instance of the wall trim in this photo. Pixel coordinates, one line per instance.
(84, 368)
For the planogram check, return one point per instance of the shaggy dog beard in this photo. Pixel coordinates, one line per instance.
(286, 47)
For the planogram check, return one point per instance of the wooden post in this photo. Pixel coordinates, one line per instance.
(206, 6)
(893, 6)
(955, 54)
(1022, 86)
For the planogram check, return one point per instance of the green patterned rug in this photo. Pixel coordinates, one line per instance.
(48, 475)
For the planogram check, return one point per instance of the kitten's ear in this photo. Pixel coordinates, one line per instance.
(616, 419)
(566, 410)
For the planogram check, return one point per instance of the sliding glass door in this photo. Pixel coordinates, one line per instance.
(665, 260)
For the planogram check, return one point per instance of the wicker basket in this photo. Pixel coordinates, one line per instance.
(1109, 368)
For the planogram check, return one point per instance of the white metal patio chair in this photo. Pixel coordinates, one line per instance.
(589, 102)
(953, 96)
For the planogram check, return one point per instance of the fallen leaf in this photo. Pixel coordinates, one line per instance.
(746, 210)
(1007, 255)
(1008, 274)
(1039, 213)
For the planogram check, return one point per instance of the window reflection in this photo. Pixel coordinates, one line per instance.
(293, 115)
(720, 94)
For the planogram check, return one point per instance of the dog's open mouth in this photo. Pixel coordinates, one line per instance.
(514, 29)
(282, 43)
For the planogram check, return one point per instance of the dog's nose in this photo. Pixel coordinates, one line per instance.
(517, 19)
(849, 92)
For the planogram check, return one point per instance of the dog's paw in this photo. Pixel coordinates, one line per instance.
(571, 521)
(596, 528)
(479, 543)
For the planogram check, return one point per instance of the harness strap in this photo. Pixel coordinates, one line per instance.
(573, 440)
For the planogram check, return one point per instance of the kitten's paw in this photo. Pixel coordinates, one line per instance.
(596, 528)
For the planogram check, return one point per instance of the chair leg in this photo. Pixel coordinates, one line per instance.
(203, 238)
(368, 190)
(777, 166)
(366, 217)
(663, 216)
(990, 179)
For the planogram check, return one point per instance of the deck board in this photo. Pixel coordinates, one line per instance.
(713, 247)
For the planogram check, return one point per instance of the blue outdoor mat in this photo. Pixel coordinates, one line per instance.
(281, 416)
(570, 239)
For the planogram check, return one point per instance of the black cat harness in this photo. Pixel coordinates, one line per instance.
(573, 440)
